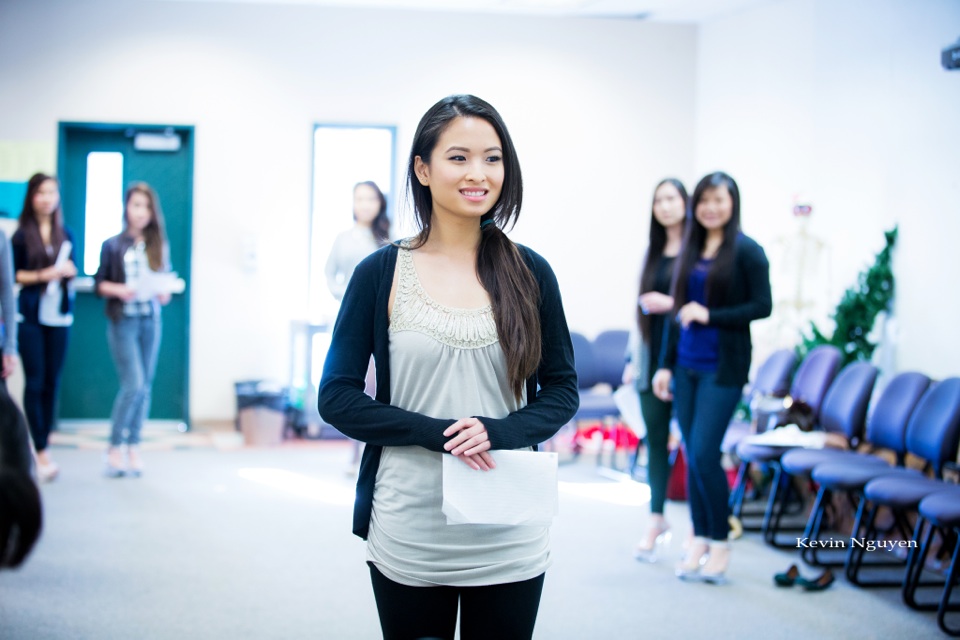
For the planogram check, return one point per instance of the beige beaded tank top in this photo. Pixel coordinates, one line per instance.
(444, 363)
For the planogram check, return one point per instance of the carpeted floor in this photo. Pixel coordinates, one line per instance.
(218, 540)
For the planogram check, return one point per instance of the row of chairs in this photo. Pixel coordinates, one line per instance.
(914, 418)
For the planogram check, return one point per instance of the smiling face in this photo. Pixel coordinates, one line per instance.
(668, 206)
(46, 199)
(366, 204)
(715, 208)
(465, 171)
(139, 212)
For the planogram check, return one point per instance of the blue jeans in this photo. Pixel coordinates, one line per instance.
(42, 351)
(134, 343)
(704, 409)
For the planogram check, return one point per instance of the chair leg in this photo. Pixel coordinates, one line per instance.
(812, 532)
(738, 497)
(945, 598)
(739, 487)
(858, 548)
(916, 561)
(856, 551)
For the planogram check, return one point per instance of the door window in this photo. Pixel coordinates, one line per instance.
(104, 204)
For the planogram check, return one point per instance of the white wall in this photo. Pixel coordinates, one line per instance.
(844, 104)
(600, 110)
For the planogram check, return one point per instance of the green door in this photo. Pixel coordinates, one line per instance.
(89, 381)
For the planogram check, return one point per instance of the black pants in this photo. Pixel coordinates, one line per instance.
(501, 611)
(42, 351)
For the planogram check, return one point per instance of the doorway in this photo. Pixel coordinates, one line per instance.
(96, 162)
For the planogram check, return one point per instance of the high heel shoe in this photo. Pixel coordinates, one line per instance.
(48, 472)
(689, 568)
(650, 553)
(134, 462)
(113, 464)
(714, 570)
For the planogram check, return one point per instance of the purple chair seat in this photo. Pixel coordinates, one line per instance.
(850, 475)
(942, 508)
(760, 452)
(800, 462)
(902, 490)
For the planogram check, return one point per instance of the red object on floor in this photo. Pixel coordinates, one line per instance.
(677, 485)
(731, 477)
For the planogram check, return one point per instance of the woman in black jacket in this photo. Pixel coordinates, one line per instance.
(654, 305)
(43, 266)
(133, 334)
(722, 283)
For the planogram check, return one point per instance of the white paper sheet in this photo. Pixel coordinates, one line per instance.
(628, 403)
(521, 490)
(48, 312)
(789, 435)
(154, 283)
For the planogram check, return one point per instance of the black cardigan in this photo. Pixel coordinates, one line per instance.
(112, 269)
(747, 298)
(29, 299)
(361, 329)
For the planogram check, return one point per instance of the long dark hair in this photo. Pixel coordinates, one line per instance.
(380, 226)
(37, 256)
(695, 237)
(513, 291)
(658, 240)
(155, 233)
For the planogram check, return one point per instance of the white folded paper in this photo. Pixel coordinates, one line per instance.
(521, 490)
(789, 435)
(154, 283)
(628, 403)
(48, 312)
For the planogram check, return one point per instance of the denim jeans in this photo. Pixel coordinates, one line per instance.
(42, 351)
(704, 409)
(134, 343)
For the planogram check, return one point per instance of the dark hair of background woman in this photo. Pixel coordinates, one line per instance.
(502, 270)
(155, 234)
(381, 224)
(37, 257)
(658, 240)
(696, 235)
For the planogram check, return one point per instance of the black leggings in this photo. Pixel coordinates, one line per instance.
(502, 611)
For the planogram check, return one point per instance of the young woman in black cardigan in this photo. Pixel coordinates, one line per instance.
(654, 305)
(473, 357)
(722, 283)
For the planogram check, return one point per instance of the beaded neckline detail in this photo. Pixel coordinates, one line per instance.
(415, 310)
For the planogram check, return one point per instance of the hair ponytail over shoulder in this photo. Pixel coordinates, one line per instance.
(515, 297)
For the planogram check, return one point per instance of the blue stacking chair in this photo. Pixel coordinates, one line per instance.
(938, 512)
(844, 412)
(933, 435)
(771, 381)
(886, 429)
(810, 383)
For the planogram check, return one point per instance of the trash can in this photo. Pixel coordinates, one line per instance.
(261, 412)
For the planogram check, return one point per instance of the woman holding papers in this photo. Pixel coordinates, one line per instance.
(669, 212)
(473, 355)
(127, 278)
(722, 283)
(43, 265)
